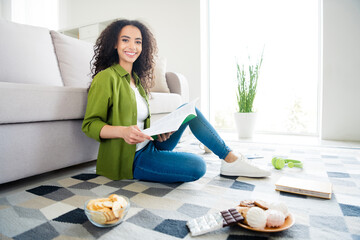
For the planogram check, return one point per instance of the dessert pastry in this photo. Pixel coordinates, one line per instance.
(280, 206)
(256, 218)
(274, 218)
(275, 213)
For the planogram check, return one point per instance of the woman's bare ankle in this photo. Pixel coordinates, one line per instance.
(231, 157)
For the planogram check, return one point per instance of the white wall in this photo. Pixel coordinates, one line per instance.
(341, 70)
(175, 24)
(5, 9)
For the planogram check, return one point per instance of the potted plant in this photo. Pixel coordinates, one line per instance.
(247, 80)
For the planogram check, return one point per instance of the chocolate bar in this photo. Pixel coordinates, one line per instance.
(214, 221)
(231, 217)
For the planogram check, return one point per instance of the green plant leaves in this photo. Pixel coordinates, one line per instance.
(247, 84)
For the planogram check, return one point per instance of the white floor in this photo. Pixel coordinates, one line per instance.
(290, 139)
(23, 184)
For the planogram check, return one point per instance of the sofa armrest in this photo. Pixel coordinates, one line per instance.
(177, 83)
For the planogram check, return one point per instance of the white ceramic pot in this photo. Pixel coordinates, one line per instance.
(245, 124)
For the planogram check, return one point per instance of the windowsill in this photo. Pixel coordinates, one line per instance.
(289, 140)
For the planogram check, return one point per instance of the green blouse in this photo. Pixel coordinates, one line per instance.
(112, 101)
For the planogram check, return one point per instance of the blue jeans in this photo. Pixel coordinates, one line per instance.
(157, 162)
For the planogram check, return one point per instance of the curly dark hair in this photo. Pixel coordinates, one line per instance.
(105, 55)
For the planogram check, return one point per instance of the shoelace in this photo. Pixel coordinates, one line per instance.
(245, 159)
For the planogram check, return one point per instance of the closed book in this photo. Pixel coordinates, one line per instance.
(304, 187)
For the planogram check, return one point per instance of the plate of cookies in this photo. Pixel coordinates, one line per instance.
(107, 212)
(262, 216)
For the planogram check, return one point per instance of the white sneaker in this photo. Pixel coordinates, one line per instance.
(242, 167)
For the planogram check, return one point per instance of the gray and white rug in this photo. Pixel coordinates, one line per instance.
(54, 209)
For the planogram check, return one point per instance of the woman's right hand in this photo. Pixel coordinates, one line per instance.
(133, 135)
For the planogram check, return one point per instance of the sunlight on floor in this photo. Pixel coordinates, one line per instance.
(290, 139)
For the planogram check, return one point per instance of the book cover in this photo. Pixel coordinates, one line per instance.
(304, 187)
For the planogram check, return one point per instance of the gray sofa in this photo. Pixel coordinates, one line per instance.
(44, 77)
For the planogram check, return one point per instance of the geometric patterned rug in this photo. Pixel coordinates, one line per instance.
(54, 209)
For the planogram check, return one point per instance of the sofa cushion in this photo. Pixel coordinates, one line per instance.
(33, 103)
(164, 102)
(74, 58)
(27, 55)
(159, 76)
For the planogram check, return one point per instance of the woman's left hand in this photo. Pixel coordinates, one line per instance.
(163, 137)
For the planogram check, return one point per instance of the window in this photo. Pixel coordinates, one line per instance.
(42, 13)
(287, 95)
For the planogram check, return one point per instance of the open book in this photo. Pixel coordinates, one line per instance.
(304, 187)
(173, 120)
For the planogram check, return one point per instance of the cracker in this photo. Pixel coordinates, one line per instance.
(262, 204)
(243, 211)
(247, 203)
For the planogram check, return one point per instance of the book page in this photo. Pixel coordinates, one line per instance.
(173, 120)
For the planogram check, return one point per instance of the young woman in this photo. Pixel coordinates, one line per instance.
(118, 109)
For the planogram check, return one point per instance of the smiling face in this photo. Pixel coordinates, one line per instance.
(129, 46)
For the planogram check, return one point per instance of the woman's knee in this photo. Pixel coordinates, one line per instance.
(199, 167)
